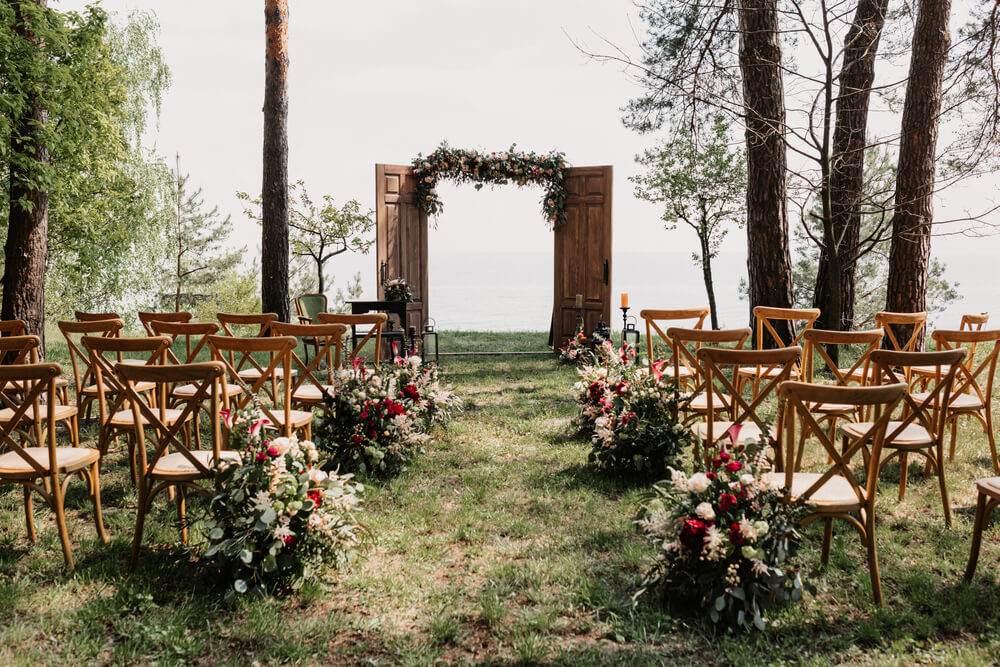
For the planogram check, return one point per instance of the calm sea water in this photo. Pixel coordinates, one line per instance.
(512, 291)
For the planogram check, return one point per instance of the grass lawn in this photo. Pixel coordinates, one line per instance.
(498, 545)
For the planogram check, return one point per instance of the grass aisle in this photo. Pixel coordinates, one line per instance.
(498, 545)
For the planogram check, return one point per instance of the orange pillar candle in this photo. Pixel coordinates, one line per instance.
(624, 299)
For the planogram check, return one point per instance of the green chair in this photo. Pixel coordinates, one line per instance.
(308, 306)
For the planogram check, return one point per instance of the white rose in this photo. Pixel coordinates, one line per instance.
(316, 475)
(746, 479)
(705, 512)
(282, 445)
(698, 483)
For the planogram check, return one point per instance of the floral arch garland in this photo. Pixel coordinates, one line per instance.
(480, 168)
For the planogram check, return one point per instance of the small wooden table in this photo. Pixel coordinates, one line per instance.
(397, 308)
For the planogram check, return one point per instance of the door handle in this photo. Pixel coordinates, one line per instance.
(606, 272)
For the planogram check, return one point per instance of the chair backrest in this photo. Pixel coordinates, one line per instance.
(244, 325)
(146, 318)
(194, 334)
(207, 380)
(818, 340)
(777, 364)
(889, 321)
(928, 410)
(94, 317)
(74, 332)
(329, 338)
(34, 381)
(654, 317)
(105, 355)
(375, 320)
(279, 352)
(308, 306)
(687, 342)
(766, 317)
(974, 321)
(19, 349)
(794, 399)
(977, 374)
(12, 328)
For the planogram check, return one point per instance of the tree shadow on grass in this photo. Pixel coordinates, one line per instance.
(586, 476)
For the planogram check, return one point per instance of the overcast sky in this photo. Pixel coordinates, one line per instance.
(381, 81)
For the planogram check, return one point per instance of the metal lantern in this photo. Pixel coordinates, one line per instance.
(630, 335)
(429, 341)
(601, 333)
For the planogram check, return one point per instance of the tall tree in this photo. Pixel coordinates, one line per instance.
(909, 253)
(274, 188)
(26, 249)
(699, 180)
(769, 263)
(201, 258)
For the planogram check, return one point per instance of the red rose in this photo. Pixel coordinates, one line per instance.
(726, 501)
(261, 456)
(724, 455)
(316, 496)
(693, 534)
(710, 475)
(272, 452)
(733, 466)
(356, 439)
(716, 462)
(289, 541)
(364, 415)
(736, 535)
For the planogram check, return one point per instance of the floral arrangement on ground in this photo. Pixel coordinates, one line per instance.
(723, 540)
(629, 414)
(576, 350)
(377, 419)
(277, 520)
(480, 168)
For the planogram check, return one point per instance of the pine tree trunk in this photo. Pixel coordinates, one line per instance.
(909, 254)
(26, 250)
(847, 173)
(274, 189)
(769, 262)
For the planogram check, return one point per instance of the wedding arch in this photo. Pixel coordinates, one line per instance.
(576, 204)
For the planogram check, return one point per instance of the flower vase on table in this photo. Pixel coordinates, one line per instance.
(397, 289)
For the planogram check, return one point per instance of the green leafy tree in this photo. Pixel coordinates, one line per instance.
(199, 238)
(701, 181)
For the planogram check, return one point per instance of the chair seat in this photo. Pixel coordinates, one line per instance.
(310, 393)
(912, 435)
(699, 402)
(124, 417)
(836, 493)
(990, 486)
(16, 386)
(832, 408)
(296, 418)
(928, 370)
(91, 390)
(62, 412)
(178, 465)
(956, 402)
(189, 390)
(667, 370)
(764, 372)
(133, 362)
(68, 459)
(750, 431)
(253, 373)
(858, 375)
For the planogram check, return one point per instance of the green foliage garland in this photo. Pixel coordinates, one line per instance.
(510, 166)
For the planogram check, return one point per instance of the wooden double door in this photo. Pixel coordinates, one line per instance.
(582, 247)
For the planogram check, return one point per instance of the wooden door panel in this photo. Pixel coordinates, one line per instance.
(583, 252)
(401, 236)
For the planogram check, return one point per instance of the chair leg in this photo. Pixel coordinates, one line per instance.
(992, 439)
(827, 539)
(873, 557)
(954, 434)
(95, 495)
(57, 506)
(977, 536)
(181, 511)
(903, 470)
(945, 500)
(140, 520)
(29, 514)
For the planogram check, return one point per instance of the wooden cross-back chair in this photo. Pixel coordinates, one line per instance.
(837, 492)
(777, 365)
(116, 413)
(254, 325)
(653, 319)
(19, 328)
(182, 468)
(376, 322)
(686, 343)
(12, 328)
(307, 389)
(82, 316)
(53, 465)
(278, 351)
(919, 429)
(146, 318)
(83, 373)
(988, 498)
(24, 350)
(767, 318)
(307, 307)
(972, 393)
(973, 321)
(893, 323)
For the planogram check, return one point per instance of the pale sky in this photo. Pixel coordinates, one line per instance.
(381, 81)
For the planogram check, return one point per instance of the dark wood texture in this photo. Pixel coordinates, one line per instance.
(909, 254)
(583, 253)
(274, 188)
(769, 263)
(26, 250)
(401, 237)
(835, 275)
